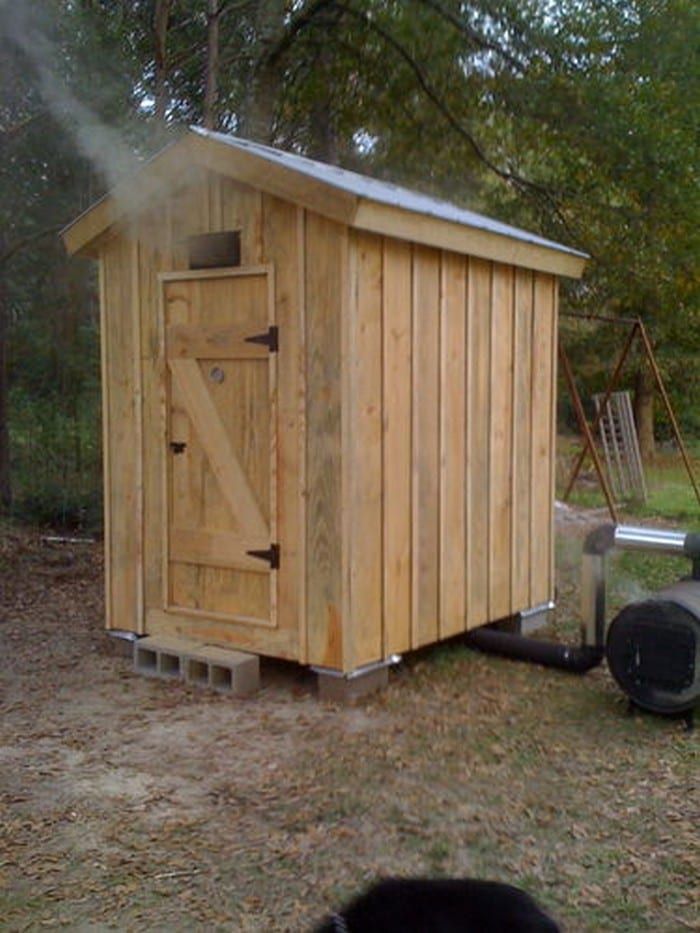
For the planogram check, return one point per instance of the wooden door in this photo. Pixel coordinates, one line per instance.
(220, 348)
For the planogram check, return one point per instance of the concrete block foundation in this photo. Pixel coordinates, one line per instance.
(225, 670)
(340, 688)
(198, 664)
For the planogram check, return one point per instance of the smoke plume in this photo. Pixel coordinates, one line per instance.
(25, 26)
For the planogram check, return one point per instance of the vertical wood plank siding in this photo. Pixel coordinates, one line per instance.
(325, 278)
(542, 454)
(478, 463)
(426, 445)
(121, 411)
(363, 409)
(271, 232)
(500, 439)
(415, 430)
(522, 438)
(283, 243)
(453, 438)
(460, 502)
(396, 420)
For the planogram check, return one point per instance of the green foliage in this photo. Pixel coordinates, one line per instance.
(56, 462)
(576, 119)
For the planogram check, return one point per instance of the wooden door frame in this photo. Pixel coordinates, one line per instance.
(267, 270)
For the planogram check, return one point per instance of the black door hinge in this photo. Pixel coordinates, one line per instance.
(269, 339)
(272, 555)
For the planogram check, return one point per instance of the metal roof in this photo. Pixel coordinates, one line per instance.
(383, 192)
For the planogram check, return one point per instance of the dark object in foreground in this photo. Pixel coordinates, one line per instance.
(418, 905)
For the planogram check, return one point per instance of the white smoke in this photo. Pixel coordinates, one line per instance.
(23, 24)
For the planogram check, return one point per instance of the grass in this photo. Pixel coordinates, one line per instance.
(670, 493)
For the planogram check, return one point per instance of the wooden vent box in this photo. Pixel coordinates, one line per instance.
(340, 448)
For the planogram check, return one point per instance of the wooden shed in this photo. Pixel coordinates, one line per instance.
(329, 406)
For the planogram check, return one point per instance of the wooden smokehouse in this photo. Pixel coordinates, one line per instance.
(329, 406)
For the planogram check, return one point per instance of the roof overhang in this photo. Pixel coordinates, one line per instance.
(171, 167)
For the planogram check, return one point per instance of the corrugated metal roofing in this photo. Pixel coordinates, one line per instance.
(362, 186)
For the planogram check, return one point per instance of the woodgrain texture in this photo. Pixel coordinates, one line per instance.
(122, 413)
(478, 464)
(500, 441)
(522, 439)
(453, 427)
(283, 236)
(325, 278)
(408, 478)
(364, 453)
(397, 395)
(426, 445)
(222, 479)
(542, 452)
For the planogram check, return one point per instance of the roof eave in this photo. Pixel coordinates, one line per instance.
(155, 178)
(397, 222)
(274, 178)
(84, 235)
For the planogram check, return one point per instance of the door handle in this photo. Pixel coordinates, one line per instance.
(178, 447)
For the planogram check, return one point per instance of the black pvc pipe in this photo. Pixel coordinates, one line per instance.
(584, 657)
(575, 659)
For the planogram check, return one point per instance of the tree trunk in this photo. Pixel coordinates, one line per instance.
(644, 388)
(160, 56)
(5, 478)
(258, 115)
(211, 89)
(324, 138)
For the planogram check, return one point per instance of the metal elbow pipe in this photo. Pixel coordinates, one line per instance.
(630, 538)
(591, 651)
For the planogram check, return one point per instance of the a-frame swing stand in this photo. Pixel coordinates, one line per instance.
(636, 330)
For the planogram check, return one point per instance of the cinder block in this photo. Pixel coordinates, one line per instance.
(338, 688)
(145, 660)
(169, 665)
(226, 670)
(162, 656)
(196, 672)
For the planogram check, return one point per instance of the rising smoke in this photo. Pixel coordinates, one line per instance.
(26, 26)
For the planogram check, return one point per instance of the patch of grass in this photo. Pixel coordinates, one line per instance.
(437, 856)
(670, 493)
(635, 575)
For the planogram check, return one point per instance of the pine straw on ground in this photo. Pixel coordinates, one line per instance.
(127, 803)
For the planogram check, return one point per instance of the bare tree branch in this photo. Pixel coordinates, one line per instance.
(525, 185)
(477, 38)
(297, 25)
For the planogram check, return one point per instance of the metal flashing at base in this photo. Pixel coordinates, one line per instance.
(123, 634)
(536, 617)
(358, 671)
(537, 610)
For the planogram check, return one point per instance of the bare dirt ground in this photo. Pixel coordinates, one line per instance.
(128, 803)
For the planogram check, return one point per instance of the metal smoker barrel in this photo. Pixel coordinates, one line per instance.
(653, 649)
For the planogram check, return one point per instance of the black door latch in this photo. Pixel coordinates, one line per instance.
(178, 447)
